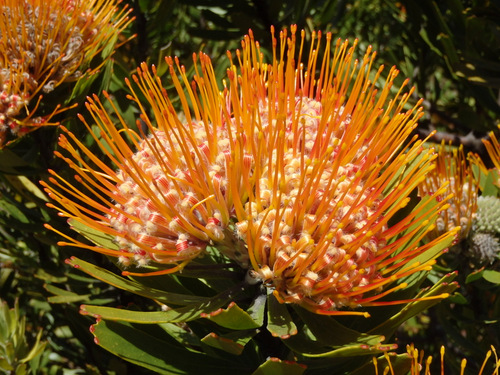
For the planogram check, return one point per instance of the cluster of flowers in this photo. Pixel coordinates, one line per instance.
(293, 171)
(46, 43)
(297, 170)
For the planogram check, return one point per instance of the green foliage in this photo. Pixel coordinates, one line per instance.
(17, 355)
(236, 322)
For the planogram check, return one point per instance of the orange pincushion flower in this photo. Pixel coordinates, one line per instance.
(453, 168)
(329, 156)
(293, 170)
(171, 198)
(45, 43)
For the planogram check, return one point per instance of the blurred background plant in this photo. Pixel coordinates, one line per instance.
(450, 50)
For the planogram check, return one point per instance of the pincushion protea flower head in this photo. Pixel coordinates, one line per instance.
(45, 43)
(293, 170)
(453, 168)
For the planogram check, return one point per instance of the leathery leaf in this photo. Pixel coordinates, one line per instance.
(133, 286)
(233, 317)
(275, 366)
(139, 347)
(182, 314)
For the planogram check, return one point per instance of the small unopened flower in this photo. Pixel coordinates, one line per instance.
(453, 169)
(293, 170)
(488, 215)
(484, 248)
(484, 242)
(45, 43)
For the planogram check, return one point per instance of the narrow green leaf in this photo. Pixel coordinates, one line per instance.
(322, 327)
(183, 314)
(426, 39)
(275, 366)
(58, 291)
(349, 351)
(279, 321)
(427, 298)
(10, 162)
(96, 236)
(68, 299)
(36, 350)
(29, 188)
(44, 275)
(450, 52)
(133, 286)
(13, 211)
(181, 334)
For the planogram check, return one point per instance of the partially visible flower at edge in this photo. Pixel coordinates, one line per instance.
(485, 244)
(418, 363)
(43, 44)
(493, 148)
(453, 169)
(291, 173)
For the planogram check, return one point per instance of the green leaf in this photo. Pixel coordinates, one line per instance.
(232, 343)
(183, 314)
(133, 286)
(492, 276)
(139, 347)
(63, 295)
(473, 276)
(427, 298)
(490, 189)
(275, 366)
(96, 236)
(27, 188)
(36, 350)
(322, 327)
(279, 321)
(13, 211)
(349, 351)
(10, 162)
(229, 346)
(233, 318)
(257, 309)
(183, 336)
(58, 291)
